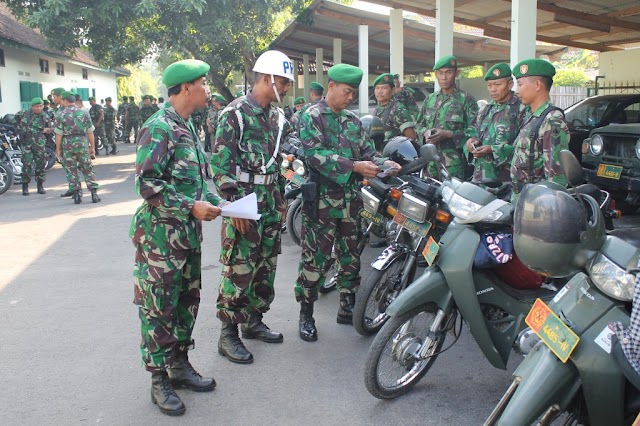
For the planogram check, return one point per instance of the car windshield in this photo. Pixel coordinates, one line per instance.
(598, 112)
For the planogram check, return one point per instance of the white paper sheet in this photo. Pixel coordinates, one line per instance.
(244, 208)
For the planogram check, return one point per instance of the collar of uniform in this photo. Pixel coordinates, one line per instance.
(444, 95)
(173, 115)
(255, 106)
(512, 100)
(324, 108)
(542, 107)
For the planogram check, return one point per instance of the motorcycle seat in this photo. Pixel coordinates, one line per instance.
(630, 235)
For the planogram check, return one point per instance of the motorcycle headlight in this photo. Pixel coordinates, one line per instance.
(370, 201)
(298, 167)
(462, 208)
(285, 161)
(413, 208)
(596, 146)
(612, 279)
(638, 148)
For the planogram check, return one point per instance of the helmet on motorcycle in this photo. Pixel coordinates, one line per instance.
(374, 128)
(400, 149)
(556, 234)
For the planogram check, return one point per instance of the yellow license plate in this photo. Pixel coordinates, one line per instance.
(375, 218)
(411, 225)
(610, 172)
(292, 176)
(552, 330)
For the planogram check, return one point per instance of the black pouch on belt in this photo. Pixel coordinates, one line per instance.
(310, 198)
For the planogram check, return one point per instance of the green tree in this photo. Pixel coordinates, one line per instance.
(571, 77)
(138, 84)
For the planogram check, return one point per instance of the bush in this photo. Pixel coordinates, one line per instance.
(571, 77)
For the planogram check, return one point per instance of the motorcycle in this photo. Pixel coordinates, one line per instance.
(493, 301)
(10, 152)
(575, 370)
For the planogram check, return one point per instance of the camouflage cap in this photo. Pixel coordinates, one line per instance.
(300, 101)
(448, 61)
(36, 101)
(534, 67)
(345, 73)
(501, 70)
(184, 71)
(384, 79)
(316, 86)
(57, 91)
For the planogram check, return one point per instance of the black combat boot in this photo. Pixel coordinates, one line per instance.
(307, 325)
(182, 374)
(256, 329)
(163, 395)
(25, 189)
(41, 188)
(345, 311)
(69, 193)
(77, 197)
(231, 346)
(114, 150)
(94, 196)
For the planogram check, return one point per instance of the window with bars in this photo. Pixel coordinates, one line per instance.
(44, 66)
(59, 68)
(85, 74)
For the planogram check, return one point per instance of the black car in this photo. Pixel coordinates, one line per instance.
(599, 111)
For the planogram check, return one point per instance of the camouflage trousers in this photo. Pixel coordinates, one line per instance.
(34, 152)
(129, 125)
(76, 159)
(110, 133)
(167, 292)
(318, 238)
(99, 133)
(453, 161)
(249, 269)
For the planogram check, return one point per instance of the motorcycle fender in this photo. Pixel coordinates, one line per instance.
(431, 286)
(386, 258)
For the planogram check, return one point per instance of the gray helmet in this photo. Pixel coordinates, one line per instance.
(400, 149)
(556, 234)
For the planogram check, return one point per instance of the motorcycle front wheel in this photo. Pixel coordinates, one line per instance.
(294, 221)
(6, 177)
(376, 294)
(50, 156)
(392, 367)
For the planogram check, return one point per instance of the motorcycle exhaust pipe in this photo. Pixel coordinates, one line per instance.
(502, 404)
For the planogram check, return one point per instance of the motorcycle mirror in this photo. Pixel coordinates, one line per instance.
(429, 152)
(571, 167)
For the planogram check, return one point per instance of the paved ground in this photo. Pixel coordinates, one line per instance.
(70, 333)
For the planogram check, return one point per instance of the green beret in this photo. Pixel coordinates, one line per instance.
(316, 86)
(384, 79)
(147, 97)
(448, 61)
(125, 98)
(36, 101)
(91, 98)
(501, 70)
(108, 99)
(220, 99)
(345, 73)
(534, 67)
(58, 91)
(184, 72)
(46, 102)
(396, 76)
(66, 94)
(300, 101)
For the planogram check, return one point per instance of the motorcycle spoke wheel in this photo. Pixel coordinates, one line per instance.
(393, 366)
(6, 177)
(294, 221)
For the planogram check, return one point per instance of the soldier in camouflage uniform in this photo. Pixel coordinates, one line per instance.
(33, 126)
(166, 230)
(56, 96)
(147, 109)
(245, 160)
(132, 120)
(445, 116)
(316, 92)
(405, 95)
(198, 117)
(338, 154)
(96, 112)
(122, 116)
(537, 160)
(495, 127)
(395, 116)
(74, 137)
(110, 115)
(211, 122)
(298, 104)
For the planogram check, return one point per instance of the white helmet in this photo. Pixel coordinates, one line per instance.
(274, 62)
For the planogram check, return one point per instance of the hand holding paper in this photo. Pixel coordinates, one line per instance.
(244, 208)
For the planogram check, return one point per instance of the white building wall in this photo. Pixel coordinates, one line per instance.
(22, 65)
(621, 66)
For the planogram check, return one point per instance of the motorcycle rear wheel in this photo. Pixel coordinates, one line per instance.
(50, 157)
(294, 221)
(391, 369)
(6, 177)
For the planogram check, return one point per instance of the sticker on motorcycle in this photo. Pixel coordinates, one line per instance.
(562, 292)
(604, 338)
(411, 225)
(292, 176)
(430, 251)
(552, 330)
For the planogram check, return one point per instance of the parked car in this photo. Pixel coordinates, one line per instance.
(599, 111)
(611, 161)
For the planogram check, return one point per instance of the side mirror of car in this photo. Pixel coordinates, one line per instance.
(571, 167)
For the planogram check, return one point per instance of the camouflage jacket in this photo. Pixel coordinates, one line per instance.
(398, 118)
(249, 144)
(295, 122)
(452, 112)
(553, 137)
(33, 125)
(94, 113)
(494, 126)
(122, 110)
(73, 123)
(198, 117)
(146, 112)
(171, 174)
(406, 98)
(212, 118)
(110, 117)
(133, 113)
(332, 142)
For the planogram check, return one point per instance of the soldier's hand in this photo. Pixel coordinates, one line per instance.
(482, 151)
(367, 169)
(241, 225)
(394, 167)
(471, 145)
(439, 136)
(204, 210)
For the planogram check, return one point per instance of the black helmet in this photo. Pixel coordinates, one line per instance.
(374, 128)
(556, 234)
(400, 149)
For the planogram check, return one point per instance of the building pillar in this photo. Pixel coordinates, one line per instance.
(396, 43)
(320, 65)
(444, 31)
(363, 62)
(305, 76)
(337, 51)
(523, 30)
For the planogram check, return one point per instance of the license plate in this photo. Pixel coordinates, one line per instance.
(411, 225)
(610, 172)
(292, 176)
(430, 251)
(371, 217)
(552, 330)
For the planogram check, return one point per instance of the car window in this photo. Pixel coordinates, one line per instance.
(587, 113)
(632, 112)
